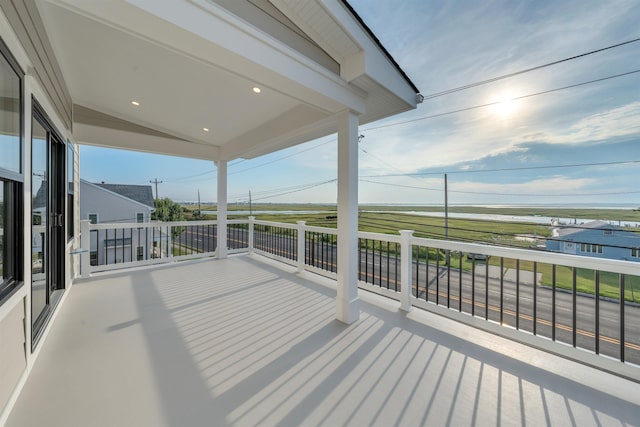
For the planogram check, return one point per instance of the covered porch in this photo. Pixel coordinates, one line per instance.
(248, 341)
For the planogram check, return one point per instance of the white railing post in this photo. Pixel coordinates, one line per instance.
(251, 224)
(85, 246)
(170, 242)
(301, 245)
(405, 269)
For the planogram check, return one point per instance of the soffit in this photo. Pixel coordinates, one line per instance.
(106, 69)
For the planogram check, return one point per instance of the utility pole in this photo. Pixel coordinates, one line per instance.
(156, 182)
(199, 208)
(250, 206)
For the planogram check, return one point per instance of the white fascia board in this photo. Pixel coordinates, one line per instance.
(371, 60)
(215, 24)
(116, 138)
(208, 33)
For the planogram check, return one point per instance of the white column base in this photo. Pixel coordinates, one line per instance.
(348, 311)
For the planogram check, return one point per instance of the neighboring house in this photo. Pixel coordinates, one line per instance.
(121, 203)
(596, 239)
(101, 202)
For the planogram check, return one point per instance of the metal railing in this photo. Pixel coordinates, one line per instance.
(379, 260)
(581, 302)
(558, 297)
(276, 239)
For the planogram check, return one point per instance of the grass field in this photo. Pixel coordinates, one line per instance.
(581, 213)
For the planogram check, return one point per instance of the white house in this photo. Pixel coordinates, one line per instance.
(596, 239)
(102, 202)
(119, 203)
(156, 76)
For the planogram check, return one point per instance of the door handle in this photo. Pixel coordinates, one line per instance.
(57, 220)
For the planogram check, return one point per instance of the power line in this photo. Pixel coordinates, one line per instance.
(189, 177)
(402, 186)
(298, 190)
(282, 158)
(475, 107)
(505, 76)
(276, 190)
(568, 165)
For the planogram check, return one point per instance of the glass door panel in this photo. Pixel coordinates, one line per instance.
(48, 190)
(39, 220)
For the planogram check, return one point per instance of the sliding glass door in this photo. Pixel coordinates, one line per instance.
(48, 190)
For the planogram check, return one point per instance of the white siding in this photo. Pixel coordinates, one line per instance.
(109, 206)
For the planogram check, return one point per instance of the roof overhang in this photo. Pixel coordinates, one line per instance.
(193, 64)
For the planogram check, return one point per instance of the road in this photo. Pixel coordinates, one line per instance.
(464, 290)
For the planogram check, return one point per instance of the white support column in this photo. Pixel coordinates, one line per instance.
(301, 246)
(347, 306)
(251, 233)
(405, 269)
(222, 208)
(85, 245)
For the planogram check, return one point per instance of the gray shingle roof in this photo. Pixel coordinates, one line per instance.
(140, 193)
(594, 233)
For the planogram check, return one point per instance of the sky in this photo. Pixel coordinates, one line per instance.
(567, 146)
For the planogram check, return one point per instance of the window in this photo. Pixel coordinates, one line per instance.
(140, 253)
(139, 217)
(118, 242)
(70, 192)
(11, 113)
(11, 213)
(635, 252)
(93, 258)
(590, 248)
(93, 218)
(10, 265)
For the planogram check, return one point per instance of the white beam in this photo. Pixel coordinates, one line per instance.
(222, 208)
(347, 306)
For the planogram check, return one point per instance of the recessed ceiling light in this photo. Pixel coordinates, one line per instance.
(136, 103)
(205, 129)
(257, 90)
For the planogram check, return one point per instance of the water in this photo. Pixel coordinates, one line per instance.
(546, 220)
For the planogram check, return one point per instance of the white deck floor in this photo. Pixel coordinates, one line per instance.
(245, 342)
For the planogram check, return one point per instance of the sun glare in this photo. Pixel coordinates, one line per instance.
(505, 106)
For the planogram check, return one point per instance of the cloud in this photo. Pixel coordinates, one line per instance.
(556, 185)
(613, 123)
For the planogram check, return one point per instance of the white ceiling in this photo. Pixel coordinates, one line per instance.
(105, 69)
(188, 72)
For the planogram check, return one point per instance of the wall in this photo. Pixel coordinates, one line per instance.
(13, 357)
(42, 82)
(109, 206)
